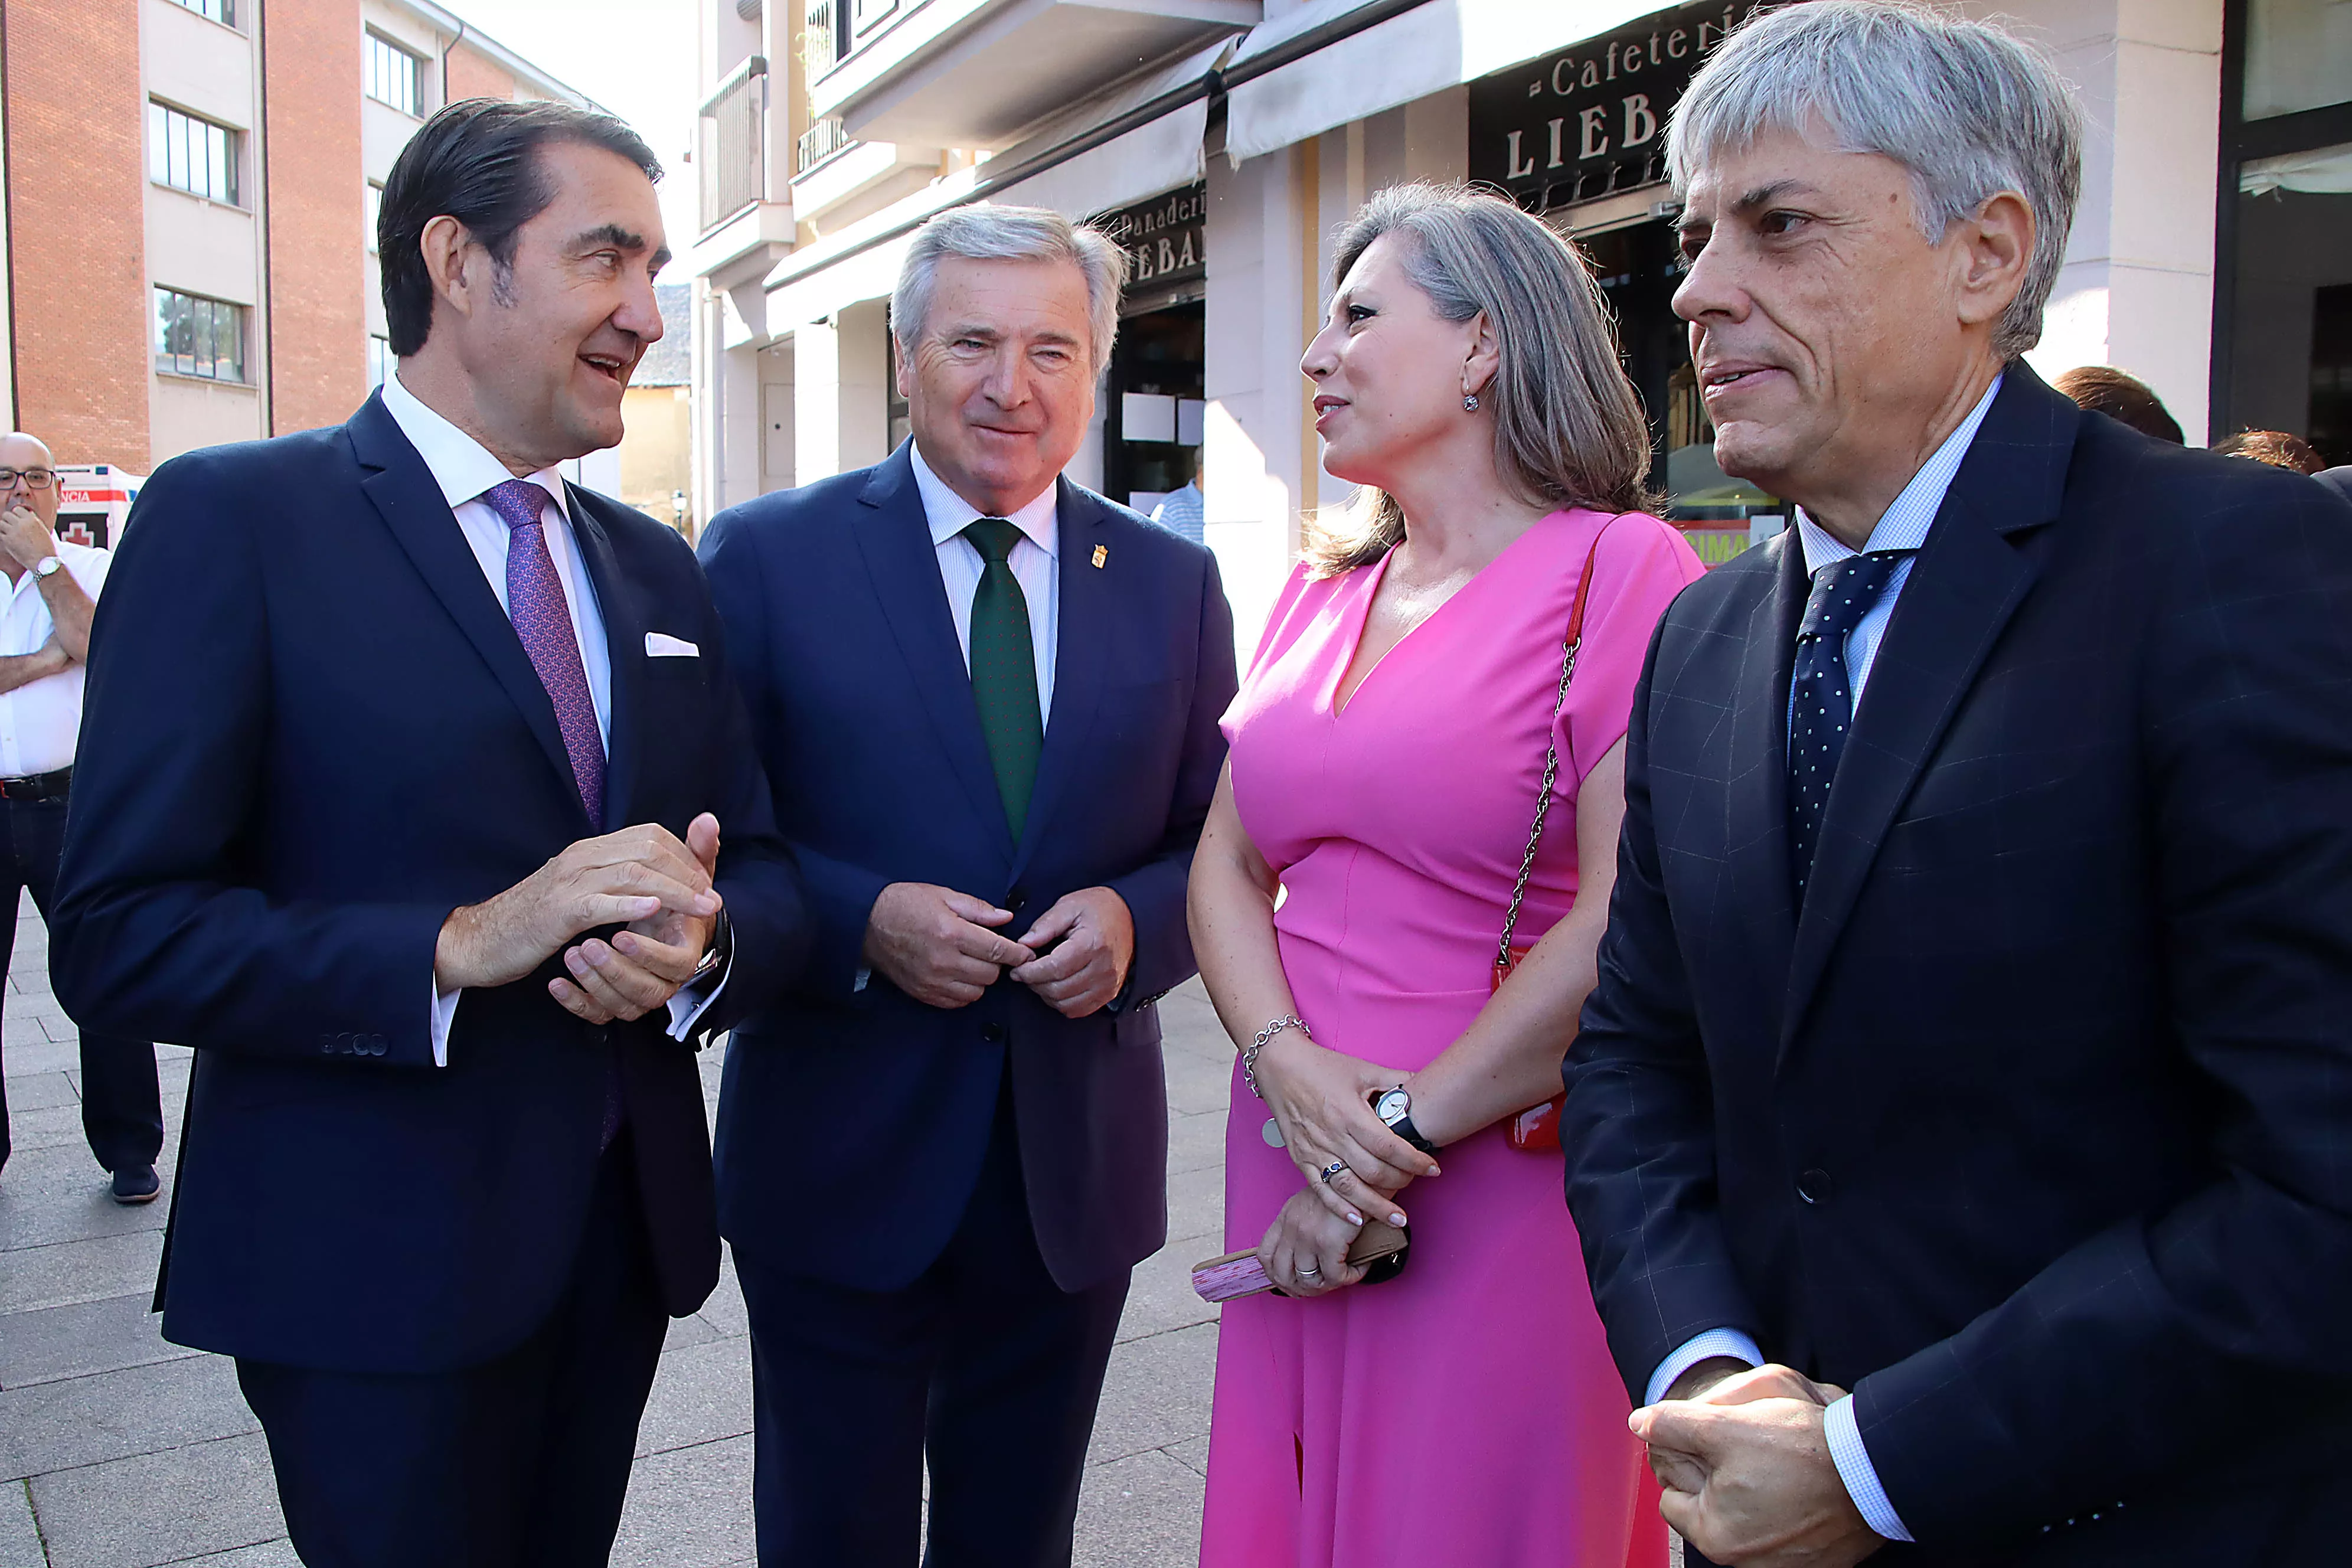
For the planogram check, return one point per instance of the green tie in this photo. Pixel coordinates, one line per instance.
(1005, 668)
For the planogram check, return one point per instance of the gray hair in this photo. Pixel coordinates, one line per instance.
(985, 232)
(1569, 428)
(1968, 107)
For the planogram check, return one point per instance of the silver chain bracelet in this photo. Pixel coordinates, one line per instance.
(1249, 1055)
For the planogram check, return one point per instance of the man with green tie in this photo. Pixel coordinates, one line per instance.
(987, 698)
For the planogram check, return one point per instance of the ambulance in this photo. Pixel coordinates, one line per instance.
(93, 500)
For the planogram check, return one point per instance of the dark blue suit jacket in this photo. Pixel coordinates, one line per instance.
(2034, 1128)
(852, 1123)
(310, 732)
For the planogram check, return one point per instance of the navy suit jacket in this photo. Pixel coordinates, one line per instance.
(852, 1122)
(2034, 1127)
(310, 732)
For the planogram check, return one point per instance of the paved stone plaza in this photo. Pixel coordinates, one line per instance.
(118, 1450)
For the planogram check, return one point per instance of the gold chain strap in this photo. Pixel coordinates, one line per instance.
(1543, 799)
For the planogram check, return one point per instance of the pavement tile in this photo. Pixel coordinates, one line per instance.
(160, 1508)
(686, 1332)
(56, 1343)
(49, 1196)
(89, 1420)
(1196, 1204)
(1160, 1297)
(51, 1127)
(690, 1508)
(700, 1394)
(1196, 1141)
(20, 1538)
(725, 1312)
(88, 1271)
(40, 1092)
(269, 1555)
(1191, 1453)
(1157, 1392)
(1142, 1512)
(26, 1047)
(1197, 1085)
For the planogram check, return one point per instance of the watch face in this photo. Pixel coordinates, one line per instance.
(1393, 1107)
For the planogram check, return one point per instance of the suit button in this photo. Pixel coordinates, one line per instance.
(993, 1034)
(1815, 1186)
(1014, 900)
(597, 1035)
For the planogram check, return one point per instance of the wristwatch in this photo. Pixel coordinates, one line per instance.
(48, 566)
(714, 956)
(1394, 1107)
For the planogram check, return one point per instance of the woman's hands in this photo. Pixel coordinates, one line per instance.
(1306, 1248)
(1322, 1101)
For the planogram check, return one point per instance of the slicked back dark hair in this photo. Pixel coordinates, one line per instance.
(477, 161)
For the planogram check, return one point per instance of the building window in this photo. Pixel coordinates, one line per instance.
(201, 337)
(191, 155)
(379, 361)
(395, 76)
(373, 207)
(221, 11)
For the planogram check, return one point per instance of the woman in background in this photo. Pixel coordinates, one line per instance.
(1402, 719)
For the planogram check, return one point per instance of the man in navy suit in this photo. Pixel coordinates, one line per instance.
(401, 798)
(988, 700)
(1974, 1023)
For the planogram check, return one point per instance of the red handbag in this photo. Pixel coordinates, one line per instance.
(1536, 1129)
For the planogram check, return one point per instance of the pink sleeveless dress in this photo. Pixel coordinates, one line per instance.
(1467, 1413)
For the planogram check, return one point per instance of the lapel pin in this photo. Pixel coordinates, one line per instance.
(1102, 553)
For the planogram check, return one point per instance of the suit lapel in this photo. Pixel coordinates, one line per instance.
(402, 493)
(896, 540)
(624, 642)
(1758, 836)
(1967, 583)
(1082, 633)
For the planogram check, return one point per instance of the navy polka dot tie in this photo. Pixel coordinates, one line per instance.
(1821, 708)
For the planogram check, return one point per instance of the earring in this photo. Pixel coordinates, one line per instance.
(1469, 403)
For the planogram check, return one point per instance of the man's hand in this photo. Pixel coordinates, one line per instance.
(936, 945)
(1748, 1474)
(643, 967)
(632, 874)
(25, 538)
(1096, 934)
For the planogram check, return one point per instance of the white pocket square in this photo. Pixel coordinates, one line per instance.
(661, 644)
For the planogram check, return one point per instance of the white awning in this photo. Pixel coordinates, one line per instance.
(1432, 47)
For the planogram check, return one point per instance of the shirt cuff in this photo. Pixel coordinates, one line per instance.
(1715, 1342)
(1853, 1467)
(690, 1002)
(445, 1013)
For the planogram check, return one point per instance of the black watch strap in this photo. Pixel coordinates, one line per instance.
(1403, 1128)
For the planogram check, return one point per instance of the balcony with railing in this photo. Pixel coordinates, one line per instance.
(734, 144)
(819, 142)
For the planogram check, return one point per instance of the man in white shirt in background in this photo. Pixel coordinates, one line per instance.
(53, 589)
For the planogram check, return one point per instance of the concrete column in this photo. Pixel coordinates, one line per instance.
(2137, 287)
(865, 381)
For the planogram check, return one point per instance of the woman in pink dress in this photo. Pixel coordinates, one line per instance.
(1388, 746)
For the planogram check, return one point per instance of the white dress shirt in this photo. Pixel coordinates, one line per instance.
(464, 471)
(1037, 563)
(1903, 526)
(41, 719)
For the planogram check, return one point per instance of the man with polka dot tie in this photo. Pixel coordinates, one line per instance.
(1957, 1129)
(414, 794)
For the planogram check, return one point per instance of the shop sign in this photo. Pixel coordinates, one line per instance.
(1165, 237)
(1592, 120)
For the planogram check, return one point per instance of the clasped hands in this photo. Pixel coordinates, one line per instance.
(1744, 1460)
(944, 948)
(1321, 1100)
(641, 879)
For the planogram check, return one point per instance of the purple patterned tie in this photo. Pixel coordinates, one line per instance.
(542, 619)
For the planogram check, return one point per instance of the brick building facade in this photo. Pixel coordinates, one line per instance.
(189, 201)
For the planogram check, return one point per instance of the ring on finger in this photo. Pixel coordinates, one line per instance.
(1332, 1171)
(1311, 1271)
